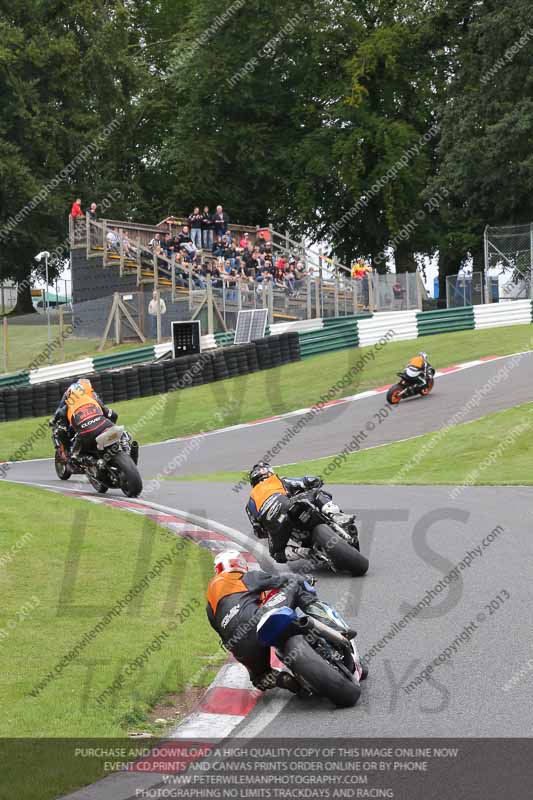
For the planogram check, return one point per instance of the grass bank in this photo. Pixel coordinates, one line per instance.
(492, 451)
(275, 391)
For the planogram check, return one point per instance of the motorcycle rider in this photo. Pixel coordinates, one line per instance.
(235, 605)
(417, 368)
(269, 506)
(86, 415)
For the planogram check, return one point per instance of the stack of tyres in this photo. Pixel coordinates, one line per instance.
(133, 389)
(158, 379)
(284, 349)
(39, 401)
(275, 350)
(53, 396)
(145, 380)
(170, 373)
(3, 408)
(250, 353)
(108, 393)
(231, 359)
(264, 355)
(25, 394)
(294, 345)
(195, 367)
(208, 368)
(120, 390)
(220, 366)
(241, 359)
(97, 383)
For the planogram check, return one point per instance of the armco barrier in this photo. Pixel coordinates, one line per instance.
(495, 315)
(125, 357)
(336, 334)
(15, 379)
(58, 371)
(40, 399)
(395, 325)
(445, 321)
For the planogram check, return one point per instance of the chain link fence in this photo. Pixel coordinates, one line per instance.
(509, 257)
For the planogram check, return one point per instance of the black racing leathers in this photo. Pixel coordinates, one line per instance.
(234, 610)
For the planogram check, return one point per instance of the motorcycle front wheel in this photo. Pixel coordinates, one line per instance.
(63, 470)
(321, 676)
(429, 386)
(342, 555)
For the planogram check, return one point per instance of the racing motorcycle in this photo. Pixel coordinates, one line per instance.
(410, 385)
(317, 646)
(113, 464)
(315, 535)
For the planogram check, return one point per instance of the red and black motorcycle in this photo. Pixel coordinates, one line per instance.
(413, 381)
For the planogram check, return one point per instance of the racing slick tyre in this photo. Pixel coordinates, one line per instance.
(130, 477)
(394, 395)
(342, 555)
(426, 390)
(63, 470)
(321, 676)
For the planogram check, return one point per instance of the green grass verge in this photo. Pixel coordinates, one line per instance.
(28, 343)
(60, 574)
(462, 455)
(293, 386)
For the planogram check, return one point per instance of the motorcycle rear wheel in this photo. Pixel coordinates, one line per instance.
(343, 555)
(322, 677)
(394, 395)
(130, 477)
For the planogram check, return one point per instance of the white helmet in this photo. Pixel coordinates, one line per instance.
(230, 561)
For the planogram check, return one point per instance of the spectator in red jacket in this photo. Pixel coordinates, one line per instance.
(76, 211)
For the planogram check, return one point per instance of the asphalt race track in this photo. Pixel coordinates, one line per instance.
(414, 537)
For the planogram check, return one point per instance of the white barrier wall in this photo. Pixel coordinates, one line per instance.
(495, 315)
(58, 371)
(302, 326)
(402, 323)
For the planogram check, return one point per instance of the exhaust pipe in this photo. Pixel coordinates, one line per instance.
(311, 624)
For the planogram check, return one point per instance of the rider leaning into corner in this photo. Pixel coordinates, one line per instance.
(85, 413)
(417, 368)
(272, 519)
(234, 608)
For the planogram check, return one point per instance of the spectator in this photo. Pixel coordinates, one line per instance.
(113, 242)
(221, 221)
(92, 211)
(152, 311)
(218, 247)
(168, 245)
(185, 243)
(195, 222)
(76, 211)
(155, 243)
(289, 281)
(261, 242)
(244, 241)
(126, 244)
(299, 275)
(207, 229)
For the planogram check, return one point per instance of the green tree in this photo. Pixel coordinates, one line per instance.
(485, 152)
(68, 86)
